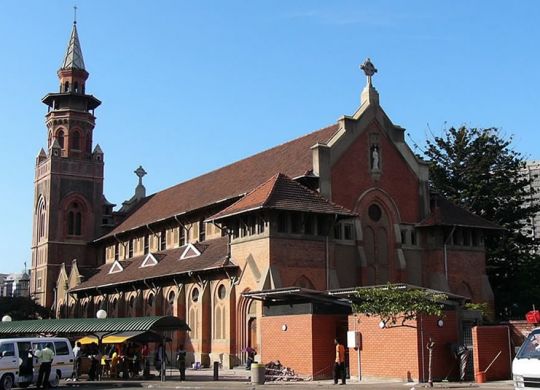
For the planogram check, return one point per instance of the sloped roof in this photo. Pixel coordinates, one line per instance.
(446, 213)
(213, 256)
(293, 158)
(282, 193)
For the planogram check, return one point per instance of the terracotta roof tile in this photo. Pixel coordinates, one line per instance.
(293, 158)
(282, 193)
(213, 255)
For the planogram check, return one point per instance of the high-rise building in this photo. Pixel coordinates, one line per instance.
(532, 170)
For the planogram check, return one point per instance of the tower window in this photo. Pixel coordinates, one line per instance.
(76, 87)
(74, 220)
(60, 138)
(76, 140)
(41, 218)
(66, 86)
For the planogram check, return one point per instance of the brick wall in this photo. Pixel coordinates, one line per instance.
(488, 341)
(306, 346)
(397, 352)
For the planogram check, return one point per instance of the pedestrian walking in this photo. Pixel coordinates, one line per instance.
(339, 364)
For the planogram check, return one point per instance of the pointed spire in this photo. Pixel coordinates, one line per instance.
(73, 58)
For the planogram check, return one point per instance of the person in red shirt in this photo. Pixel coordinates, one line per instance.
(339, 365)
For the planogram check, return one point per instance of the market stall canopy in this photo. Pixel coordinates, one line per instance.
(92, 326)
(119, 338)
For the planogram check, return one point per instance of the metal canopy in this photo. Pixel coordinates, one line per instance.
(94, 326)
(291, 295)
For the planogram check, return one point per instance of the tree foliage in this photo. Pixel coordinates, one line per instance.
(22, 308)
(478, 170)
(395, 304)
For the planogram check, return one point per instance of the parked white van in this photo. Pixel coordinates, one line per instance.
(15, 352)
(526, 364)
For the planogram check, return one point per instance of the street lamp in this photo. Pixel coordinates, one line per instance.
(101, 314)
(6, 318)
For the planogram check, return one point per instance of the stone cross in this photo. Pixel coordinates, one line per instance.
(369, 70)
(140, 172)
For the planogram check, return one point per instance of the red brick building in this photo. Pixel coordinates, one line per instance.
(346, 205)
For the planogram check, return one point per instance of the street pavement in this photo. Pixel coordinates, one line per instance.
(240, 379)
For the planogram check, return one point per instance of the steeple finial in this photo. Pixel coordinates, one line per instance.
(369, 70)
(74, 14)
(73, 58)
(140, 190)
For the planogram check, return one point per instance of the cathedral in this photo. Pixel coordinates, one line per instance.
(344, 206)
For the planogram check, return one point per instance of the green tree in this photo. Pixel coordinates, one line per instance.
(479, 170)
(395, 304)
(22, 308)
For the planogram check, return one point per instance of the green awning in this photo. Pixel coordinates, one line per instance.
(78, 326)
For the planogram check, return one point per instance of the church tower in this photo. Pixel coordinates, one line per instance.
(69, 206)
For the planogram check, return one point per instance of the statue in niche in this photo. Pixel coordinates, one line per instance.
(375, 161)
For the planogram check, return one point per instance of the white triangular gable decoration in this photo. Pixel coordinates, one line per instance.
(149, 261)
(116, 267)
(190, 251)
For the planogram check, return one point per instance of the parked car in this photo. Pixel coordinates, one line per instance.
(526, 364)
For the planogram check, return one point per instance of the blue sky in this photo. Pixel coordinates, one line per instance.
(188, 87)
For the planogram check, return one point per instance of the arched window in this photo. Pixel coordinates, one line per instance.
(74, 220)
(60, 138)
(220, 318)
(76, 140)
(171, 298)
(76, 84)
(66, 86)
(41, 217)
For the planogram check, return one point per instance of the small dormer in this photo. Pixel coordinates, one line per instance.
(189, 252)
(116, 267)
(149, 261)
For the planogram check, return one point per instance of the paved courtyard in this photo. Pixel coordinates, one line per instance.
(240, 379)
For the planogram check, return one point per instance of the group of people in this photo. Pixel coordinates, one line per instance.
(124, 360)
